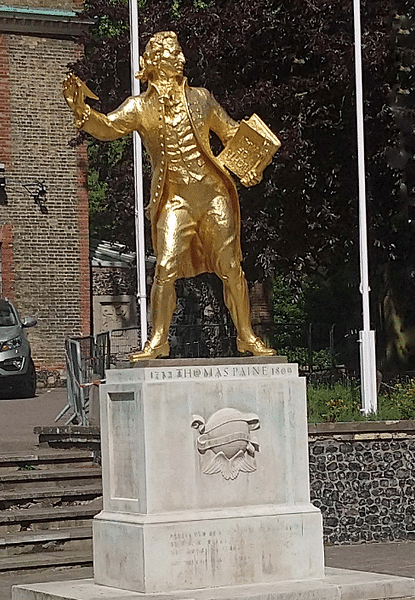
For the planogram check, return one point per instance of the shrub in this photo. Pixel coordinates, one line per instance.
(402, 398)
(338, 402)
(320, 359)
(341, 402)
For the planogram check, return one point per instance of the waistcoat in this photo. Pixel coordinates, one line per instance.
(185, 162)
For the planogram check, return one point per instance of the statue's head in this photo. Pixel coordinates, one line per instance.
(162, 55)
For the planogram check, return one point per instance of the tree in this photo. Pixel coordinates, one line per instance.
(292, 63)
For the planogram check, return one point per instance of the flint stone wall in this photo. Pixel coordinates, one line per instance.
(362, 477)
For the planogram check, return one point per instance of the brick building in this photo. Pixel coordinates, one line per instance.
(44, 254)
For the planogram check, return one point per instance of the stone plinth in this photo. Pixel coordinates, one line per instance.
(205, 477)
(338, 584)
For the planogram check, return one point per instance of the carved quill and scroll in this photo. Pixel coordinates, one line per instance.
(227, 435)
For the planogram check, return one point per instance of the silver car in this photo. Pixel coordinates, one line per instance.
(17, 371)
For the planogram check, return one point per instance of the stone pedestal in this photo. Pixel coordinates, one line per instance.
(206, 491)
(205, 477)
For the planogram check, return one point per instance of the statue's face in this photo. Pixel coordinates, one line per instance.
(172, 59)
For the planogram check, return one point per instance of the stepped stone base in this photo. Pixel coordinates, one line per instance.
(206, 494)
(338, 584)
(205, 477)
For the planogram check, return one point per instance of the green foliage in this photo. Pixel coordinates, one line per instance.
(341, 402)
(96, 193)
(290, 317)
(402, 399)
(292, 63)
(202, 4)
(105, 160)
(320, 359)
(289, 299)
(177, 6)
(325, 296)
(309, 312)
(108, 24)
(107, 27)
(26, 467)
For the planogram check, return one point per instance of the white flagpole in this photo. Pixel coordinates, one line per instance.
(367, 336)
(138, 178)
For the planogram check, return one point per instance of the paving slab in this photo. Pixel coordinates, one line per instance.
(394, 558)
(7, 580)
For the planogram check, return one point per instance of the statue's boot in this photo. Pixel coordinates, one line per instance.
(255, 347)
(163, 303)
(237, 300)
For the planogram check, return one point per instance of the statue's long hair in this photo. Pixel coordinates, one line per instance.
(152, 54)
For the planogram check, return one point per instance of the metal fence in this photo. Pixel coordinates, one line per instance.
(86, 361)
(186, 341)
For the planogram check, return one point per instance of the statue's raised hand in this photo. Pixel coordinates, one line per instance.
(75, 92)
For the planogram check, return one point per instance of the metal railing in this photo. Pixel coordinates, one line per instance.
(86, 361)
(186, 341)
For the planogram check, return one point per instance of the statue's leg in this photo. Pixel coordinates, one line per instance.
(235, 292)
(175, 228)
(220, 240)
(163, 303)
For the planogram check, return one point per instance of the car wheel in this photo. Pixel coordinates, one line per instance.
(28, 384)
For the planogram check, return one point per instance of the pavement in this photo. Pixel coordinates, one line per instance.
(19, 417)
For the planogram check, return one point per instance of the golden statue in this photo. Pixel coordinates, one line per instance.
(194, 207)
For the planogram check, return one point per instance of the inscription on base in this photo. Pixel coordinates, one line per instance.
(199, 548)
(219, 372)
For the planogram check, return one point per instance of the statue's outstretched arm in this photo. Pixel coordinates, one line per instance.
(103, 127)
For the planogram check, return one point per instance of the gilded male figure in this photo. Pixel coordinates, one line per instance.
(194, 208)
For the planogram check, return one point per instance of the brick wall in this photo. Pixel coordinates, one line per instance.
(50, 268)
(7, 262)
(5, 103)
(62, 4)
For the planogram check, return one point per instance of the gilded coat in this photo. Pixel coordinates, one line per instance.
(146, 114)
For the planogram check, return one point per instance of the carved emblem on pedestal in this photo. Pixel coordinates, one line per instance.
(227, 434)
